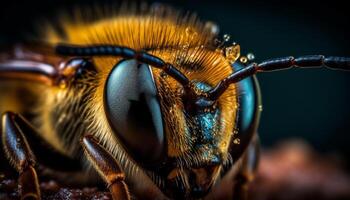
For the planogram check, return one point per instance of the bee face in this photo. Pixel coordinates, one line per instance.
(192, 121)
(198, 161)
(162, 128)
(142, 115)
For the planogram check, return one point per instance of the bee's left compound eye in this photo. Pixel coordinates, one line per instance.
(132, 108)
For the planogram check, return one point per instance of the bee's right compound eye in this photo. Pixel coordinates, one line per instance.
(133, 111)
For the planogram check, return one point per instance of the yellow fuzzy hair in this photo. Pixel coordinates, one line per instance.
(179, 39)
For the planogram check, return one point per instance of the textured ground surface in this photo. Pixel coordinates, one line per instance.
(288, 171)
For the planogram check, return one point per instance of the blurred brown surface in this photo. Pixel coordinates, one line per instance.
(289, 171)
(292, 170)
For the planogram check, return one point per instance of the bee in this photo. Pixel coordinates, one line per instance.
(147, 102)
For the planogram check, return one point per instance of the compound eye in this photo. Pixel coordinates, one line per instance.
(133, 111)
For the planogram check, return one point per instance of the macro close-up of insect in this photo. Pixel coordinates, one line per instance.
(147, 101)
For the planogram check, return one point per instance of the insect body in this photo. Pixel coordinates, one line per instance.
(158, 109)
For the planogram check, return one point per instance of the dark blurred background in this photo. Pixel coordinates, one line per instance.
(309, 104)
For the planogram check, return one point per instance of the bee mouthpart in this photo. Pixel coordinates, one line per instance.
(194, 182)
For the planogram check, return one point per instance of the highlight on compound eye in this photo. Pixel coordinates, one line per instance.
(149, 101)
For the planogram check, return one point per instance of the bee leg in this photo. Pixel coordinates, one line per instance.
(241, 187)
(248, 169)
(19, 153)
(43, 151)
(107, 167)
(6, 170)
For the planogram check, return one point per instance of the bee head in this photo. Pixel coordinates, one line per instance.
(162, 112)
(168, 108)
(173, 131)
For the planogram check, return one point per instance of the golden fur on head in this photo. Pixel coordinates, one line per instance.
(179, 39)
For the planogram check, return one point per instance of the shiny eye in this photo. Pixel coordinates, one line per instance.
(133, 111)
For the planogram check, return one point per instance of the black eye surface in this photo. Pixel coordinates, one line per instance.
(133, 110)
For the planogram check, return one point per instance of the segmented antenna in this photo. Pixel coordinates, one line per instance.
(310, 61)
(125, 52)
